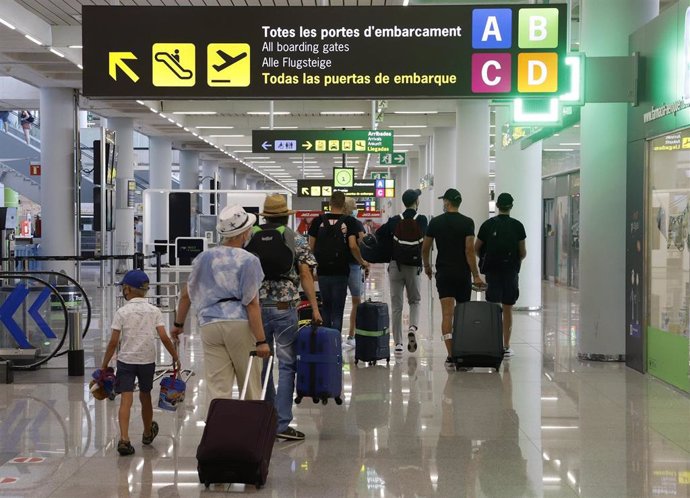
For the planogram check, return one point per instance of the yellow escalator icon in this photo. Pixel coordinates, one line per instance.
(174, 64)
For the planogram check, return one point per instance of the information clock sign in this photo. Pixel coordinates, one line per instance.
(310, 52)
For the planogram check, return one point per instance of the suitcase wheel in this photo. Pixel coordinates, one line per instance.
(372, 363)
(338, 401)
(316, 400)
(356, 361)
(207, 485)
(298, 400)
(388, 360)
(324, 401)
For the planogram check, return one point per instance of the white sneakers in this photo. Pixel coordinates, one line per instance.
(398, 349)
(349, 343)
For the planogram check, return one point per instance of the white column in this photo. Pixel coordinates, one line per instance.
(240, 181)
(227, 182)
(426, 203)
(605, 30)
(57, 177)
(444, 165)
(189, 169)
(412, 173)
(124, 216)
(160, 177)
(518, 172)
(208, 171)
(472, 177)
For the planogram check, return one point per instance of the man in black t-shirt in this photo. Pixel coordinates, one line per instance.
(456, 263)
(501, 245)
(332, 239)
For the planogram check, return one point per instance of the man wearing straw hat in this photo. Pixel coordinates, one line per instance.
(287, 262)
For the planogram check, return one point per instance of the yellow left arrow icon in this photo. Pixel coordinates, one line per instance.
(117, 59)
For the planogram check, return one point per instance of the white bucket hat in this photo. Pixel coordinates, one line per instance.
(233, 220)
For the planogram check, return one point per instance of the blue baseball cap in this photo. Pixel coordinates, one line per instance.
(136, 279)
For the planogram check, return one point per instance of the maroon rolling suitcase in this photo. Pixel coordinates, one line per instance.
(238, 438)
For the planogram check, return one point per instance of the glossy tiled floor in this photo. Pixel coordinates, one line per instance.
(547, 425)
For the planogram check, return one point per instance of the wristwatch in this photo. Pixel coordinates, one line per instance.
(259, 343)
(178, 325)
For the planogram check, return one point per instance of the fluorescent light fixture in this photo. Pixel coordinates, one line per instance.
(80, 67)
(549, 398)
(402, 150)
(261, 162)
(407, 136)
(305, 162)
(551, 479)
(415, 112)
(11, 26)
(393, 127)
(342, 113)
(346, 127)
(406, 3)
(186, 129)
(558, 150)
(162, 115)
(196, 113)
(170, 119)
(279, 127)
(255, 157)
(140, 102)
(195, 134)
(571, 478)
(404, 145)
(31, 38)
(227, 136)
(520, 116)
(179, 125)
(267, 113)
(75, 46)
(570, 143)
(214, 127)
(153, 110)
(559, 427)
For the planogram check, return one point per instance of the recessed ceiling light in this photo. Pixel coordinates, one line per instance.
(415, 112)
(267, 113)
(226, 136)
(305, 162)
(75, 46)
(11, 26)
(407, 136)
(342, 113)
(404, 145)
(570, 143)
(196, 113)
(558, 150)
(262, 162)
(80, 67)
(214, 127)
(407, 126)
(31, 38)
(279, 127)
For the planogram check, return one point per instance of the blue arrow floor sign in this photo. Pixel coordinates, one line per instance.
(10, 306)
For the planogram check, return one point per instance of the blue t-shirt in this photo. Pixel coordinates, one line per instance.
(221, 273)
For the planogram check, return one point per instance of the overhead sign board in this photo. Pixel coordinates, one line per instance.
(314, 188)
(322, 141)
(310, 52)
(392, 159)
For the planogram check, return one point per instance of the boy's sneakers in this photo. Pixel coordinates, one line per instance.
(291, 434)
(349, 343)
(148, 438)
(507, 353)
(450, 364)
(125, 448)
(398, 349)
(412, 340)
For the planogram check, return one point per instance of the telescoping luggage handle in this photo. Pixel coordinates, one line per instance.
(264, 385)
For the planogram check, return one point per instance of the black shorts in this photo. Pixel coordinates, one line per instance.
(502, 287)
(453, 284)
(127, 372)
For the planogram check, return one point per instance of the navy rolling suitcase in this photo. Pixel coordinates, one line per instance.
(319, 364)
(372, 339)
(478, 335)
(238, 439)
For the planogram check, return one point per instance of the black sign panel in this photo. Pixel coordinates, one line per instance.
(312, 52)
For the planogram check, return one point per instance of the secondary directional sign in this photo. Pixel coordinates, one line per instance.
(323, 141)
(429, 51)
(314, 188)
(392, 159)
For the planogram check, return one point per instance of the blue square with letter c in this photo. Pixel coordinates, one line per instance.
(492, 28)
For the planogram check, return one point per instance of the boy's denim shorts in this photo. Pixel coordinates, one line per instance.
(127, 372)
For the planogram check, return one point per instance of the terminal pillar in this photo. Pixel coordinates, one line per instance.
(426, 202)
(189, 170)
(160, 177)
(519, 173)
(208, 175)
(605, 30)
(472, 176)
(58, 177)
(444, 165)
(227, 182)
(240, 181)
(124, 216)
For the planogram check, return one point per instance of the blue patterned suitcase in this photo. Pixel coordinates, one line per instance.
(319, 364)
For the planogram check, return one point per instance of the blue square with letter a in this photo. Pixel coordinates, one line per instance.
(492, 28)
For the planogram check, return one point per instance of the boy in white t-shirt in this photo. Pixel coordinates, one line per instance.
(135, 326)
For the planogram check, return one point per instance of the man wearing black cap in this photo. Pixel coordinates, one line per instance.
(501, 246)
(407, 233)
(454, 235)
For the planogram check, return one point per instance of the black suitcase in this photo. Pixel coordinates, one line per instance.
(238, 439)
(372, 339)
(478, 335)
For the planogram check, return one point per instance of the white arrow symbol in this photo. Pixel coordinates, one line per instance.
(266, 145)
(305, 190)
(399, 158)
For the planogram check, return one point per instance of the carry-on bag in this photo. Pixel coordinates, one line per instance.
(372, 336)
(172, 391)
(319, 364)
(238, 438)
(478, 335)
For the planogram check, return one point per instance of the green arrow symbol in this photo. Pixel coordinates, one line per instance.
(117, 59)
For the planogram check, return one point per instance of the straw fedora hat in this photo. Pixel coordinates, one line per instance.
(275, 205)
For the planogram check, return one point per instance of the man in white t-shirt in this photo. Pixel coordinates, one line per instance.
(135, 326)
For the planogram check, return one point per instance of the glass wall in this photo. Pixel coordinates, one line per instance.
(668, 258)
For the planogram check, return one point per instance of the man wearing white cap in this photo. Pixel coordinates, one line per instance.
(224, 287)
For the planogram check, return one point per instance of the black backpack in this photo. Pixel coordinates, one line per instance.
(407, 242)
(332, 251)
(274, 245)
(500, 249)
